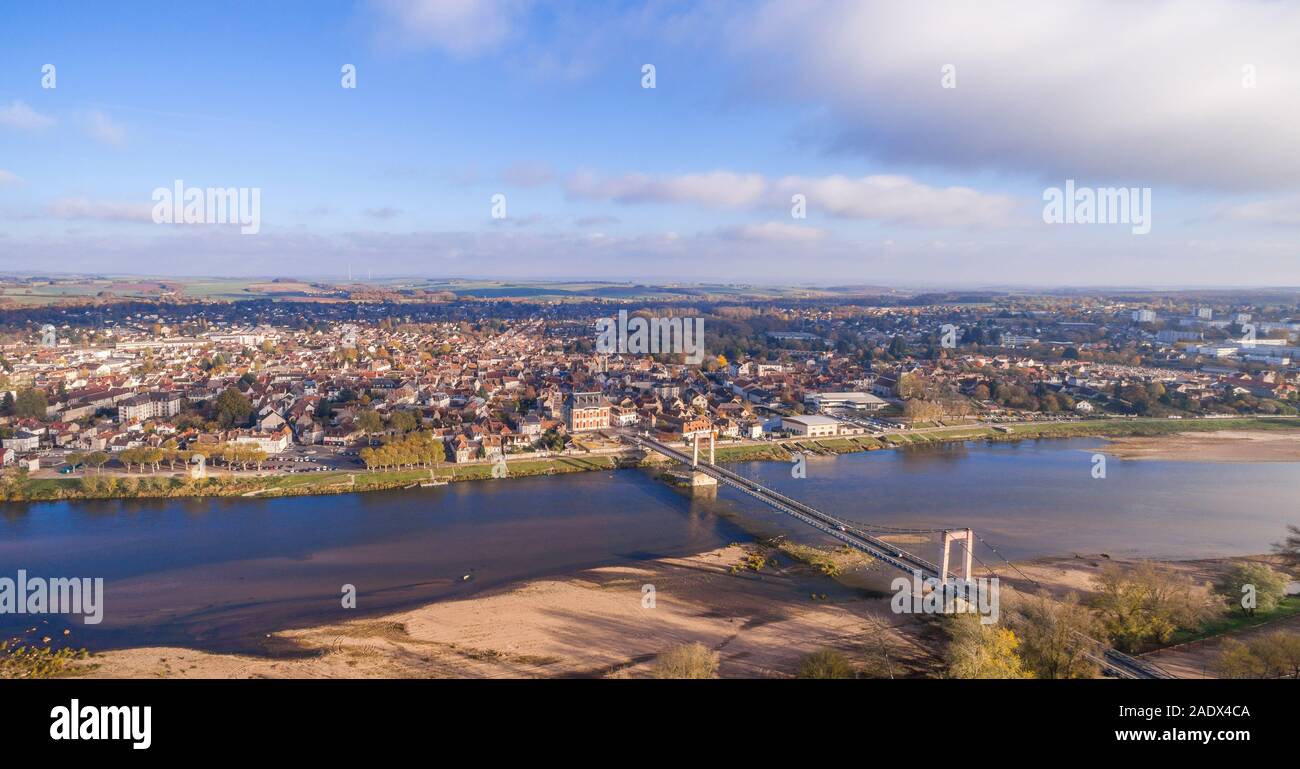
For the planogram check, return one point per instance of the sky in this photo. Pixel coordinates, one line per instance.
(814, 142)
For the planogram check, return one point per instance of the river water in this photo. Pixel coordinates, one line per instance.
(222, 573)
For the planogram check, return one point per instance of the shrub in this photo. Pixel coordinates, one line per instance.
(826, 663)
(977, 650)
(694, 660)
(1147, 603)
(1267, 586)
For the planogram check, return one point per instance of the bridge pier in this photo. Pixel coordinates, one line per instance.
(700, 480)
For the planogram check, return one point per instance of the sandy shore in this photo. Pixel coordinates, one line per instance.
(594, 624)
(591, 624)
(1222, 446)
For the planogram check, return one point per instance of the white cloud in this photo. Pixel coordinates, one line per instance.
(102, 210)
(1282, 211)
(900, 200)
(462, 28)
(595, 220)
(526, 253)
(9, 177)
(19, 115)
(719, 189)
(772, 232)
(384, 212)
(881, 198)
(1145, 92)
(100, 127)
(528, 174)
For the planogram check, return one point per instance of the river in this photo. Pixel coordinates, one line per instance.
(220, 574)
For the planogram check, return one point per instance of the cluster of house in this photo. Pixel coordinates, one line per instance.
(505, 392)
(487, 393)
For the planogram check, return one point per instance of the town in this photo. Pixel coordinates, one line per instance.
(196, 393)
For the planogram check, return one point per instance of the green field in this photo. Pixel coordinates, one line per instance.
(1289, 607)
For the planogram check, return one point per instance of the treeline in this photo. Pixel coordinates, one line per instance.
(418, 449)
(234, 455)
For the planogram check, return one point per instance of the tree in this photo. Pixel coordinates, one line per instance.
(369, 422)
(31, 403)
(233, 408)
(1279, 652)
(910, 386)
(402, 421)
(922, 411)
(1049, 632)
(1252, 580)
(976, 650)
(97, 459)
(826, 663)
(153, 457)
(693, 660)
(1237, 661)
(1289, 548)
(1147, 603)
(12, 482)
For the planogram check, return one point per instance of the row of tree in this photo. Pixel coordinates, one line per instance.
(234, 455)
(418, 449)
(1269, 656)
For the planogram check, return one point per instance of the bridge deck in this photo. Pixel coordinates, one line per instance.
(841, 530)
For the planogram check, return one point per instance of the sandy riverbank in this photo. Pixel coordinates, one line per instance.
(591, 624)
(1221, 446)
(594, 624)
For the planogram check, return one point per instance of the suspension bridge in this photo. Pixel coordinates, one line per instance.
(860, 536)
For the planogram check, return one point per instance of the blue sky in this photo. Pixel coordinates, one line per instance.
(906, 182)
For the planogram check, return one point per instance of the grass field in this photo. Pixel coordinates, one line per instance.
(1289, 607)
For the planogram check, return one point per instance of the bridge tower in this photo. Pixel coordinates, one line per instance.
(700, 482)
(695, 456)
(967, 538)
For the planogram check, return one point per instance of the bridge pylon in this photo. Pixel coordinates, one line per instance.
(695, 455)
(967, 538)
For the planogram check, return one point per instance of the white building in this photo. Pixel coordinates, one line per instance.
(272, 443)
(845, 400)
(159, 405)
(1018, 340)
(811, 426)
(22, 441)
